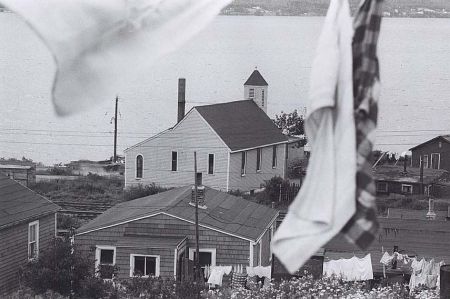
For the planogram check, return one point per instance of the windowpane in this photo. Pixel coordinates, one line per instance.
(244, 162)
(139, 265)
(258, 159)
(251, 93)
(107, 256)
(139, 166)
(150, 266)
(32, 252)
(174, 161)
(210, 163)
(32, 233)
(274, 156)
(205, 258)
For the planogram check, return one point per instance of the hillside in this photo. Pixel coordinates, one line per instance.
(392, 8)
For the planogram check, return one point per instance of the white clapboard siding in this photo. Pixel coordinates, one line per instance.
(252, 178)
(191, 134)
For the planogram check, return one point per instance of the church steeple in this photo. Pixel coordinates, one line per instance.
(255, 89)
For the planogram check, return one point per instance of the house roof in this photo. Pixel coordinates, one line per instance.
(10, 166)
(241, 124)
(395, 174)
(18, 203)
(445, 138)
(227, 213)
(256, 79)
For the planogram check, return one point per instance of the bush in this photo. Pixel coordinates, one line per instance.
(59, 270)
(156, 287)
(141, 191)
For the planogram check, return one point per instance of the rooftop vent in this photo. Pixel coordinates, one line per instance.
(201, 192)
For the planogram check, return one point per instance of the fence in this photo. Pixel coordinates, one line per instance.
(288, 192)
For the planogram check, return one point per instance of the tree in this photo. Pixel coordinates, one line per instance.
(62, 268)
(290, 123)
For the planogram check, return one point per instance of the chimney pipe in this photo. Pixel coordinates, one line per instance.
(181, 98)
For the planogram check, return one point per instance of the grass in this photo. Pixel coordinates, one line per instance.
(93, 189)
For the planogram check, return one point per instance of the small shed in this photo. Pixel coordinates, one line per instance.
(24, 174)
(155, 235)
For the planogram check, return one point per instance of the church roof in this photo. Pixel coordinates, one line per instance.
(241, 124)
(256, 79)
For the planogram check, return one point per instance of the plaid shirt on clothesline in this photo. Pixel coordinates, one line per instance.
(361, 229)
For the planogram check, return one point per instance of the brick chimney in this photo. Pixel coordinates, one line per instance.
(201, 193)
(181, 98)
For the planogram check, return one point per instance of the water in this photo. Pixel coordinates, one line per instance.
(415, 72)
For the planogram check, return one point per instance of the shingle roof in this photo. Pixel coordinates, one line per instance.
(18, 203)
(224, 212)
(241, 124)
(256, 79)
(445, 138)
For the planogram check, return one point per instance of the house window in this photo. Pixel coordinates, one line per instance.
(407, 189)
(33, 239)
(105, 259)
(274, 156)
(243, 163)
(174, 161)
(210, 163)
(251, 93)
(258, 159)
(436, 161)
(262, 98)
(144, 265)
(425, 161)
(139, 166)
(382, 187)
(207, 256)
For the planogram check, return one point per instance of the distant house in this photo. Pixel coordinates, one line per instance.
(238, 146)
(27, 226)
(393, 179)
(434, 153)
(24, 174)
(155, 235)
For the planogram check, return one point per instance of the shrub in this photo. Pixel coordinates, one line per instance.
(62, 268)
(141, 191)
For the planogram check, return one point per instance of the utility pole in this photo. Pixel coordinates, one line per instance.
(115, 131)
(197, 250)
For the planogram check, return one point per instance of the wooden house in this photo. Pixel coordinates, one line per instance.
(238, 146)
(27, 226)
(434, 153)
(394, 179)
(155, 235)
(24, 174)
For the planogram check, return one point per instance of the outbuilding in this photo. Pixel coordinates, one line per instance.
(155, 235)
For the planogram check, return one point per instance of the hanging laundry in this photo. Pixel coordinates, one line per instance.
(416, 273)
(216, 274)
(386, 259)
(326, 200)
(363, 226)
(98, 45)
(353, 269)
